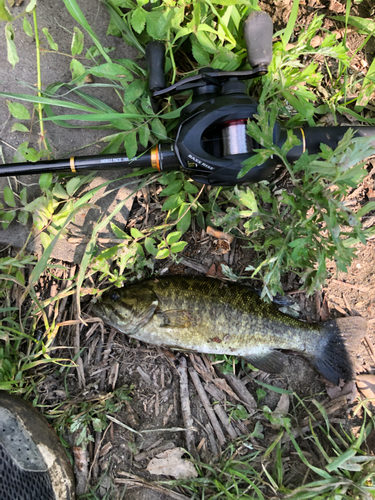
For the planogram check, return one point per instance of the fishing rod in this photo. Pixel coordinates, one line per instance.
(211, 142)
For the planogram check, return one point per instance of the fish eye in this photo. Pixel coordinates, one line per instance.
(115, 296)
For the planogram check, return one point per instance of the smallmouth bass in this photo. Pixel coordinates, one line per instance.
(209, 316)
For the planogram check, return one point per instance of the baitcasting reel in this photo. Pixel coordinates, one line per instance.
(211, 142)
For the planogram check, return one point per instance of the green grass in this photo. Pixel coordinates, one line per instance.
(281, 225)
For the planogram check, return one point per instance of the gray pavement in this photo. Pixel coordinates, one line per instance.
(55, 68)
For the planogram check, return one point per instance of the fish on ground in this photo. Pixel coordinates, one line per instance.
(209, 316)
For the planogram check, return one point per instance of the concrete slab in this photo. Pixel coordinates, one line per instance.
(55, 68)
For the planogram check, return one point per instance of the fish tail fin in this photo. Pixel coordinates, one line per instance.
(335, 352)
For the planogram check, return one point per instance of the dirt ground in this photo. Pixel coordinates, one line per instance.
(117, 458)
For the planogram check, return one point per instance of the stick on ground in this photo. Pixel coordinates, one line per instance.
(203, 397)
(241, 391)
(185, 407)
(224, 419)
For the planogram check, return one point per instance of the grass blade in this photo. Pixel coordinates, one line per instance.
(285, 37)
(77, 14)
(99, 117)
(48, 100)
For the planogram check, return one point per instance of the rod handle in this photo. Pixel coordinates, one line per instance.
(155, 56)
(258, 30)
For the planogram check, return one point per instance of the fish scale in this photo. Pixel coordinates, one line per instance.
(209, 316)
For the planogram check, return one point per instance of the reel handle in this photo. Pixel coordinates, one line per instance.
(155, 56)
(258, 31)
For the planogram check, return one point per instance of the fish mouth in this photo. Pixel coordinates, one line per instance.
(99, 311)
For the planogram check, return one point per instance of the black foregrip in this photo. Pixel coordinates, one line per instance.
(258, 30)
(312, 137)
(155, 55)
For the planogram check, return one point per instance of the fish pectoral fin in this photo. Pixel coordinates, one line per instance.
(269, 361)
(177, 318)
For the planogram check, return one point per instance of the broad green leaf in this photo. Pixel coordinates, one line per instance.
(159, 129)
(174, 201)
(173, 187)
(138, 20)
(23, 217)
(78, 70)
(5, 15)
(60, 192)
(119, 233)
(73, 185)
(19, 127)
(173, 237)
(110, 252)
(158, 23)
(150, 246)
(45, 181)
(200, 55)
(11, 47)
(31, 6)
(27, 28)
(7, 218)
(136, 233)
(206, 43)
(23, 196)
(178, 247)
(134, 91)
(50, 40)
(114, 144)
(130, 144)
(184, 224)
(77, 42)
(18, 111)
(144, 135)
(9, 197)
(189, 187)
(162, 254)
(112, 71)
(139, 249)
(45, 240)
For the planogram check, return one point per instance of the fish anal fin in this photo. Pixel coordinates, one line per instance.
(269, 361)
(176, 318)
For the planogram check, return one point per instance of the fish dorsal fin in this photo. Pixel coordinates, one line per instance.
(270, 361)
(175, 318)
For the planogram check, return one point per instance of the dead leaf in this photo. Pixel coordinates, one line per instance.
(89, 79)
(215, 272)
(348, 389)
(212, 271)
(170, 463)
(336, 6)
(106, 449)
(219, 234)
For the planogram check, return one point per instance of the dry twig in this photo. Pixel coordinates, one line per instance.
(138, 481)
(185, 407)
(222, 414)
(203, 397)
